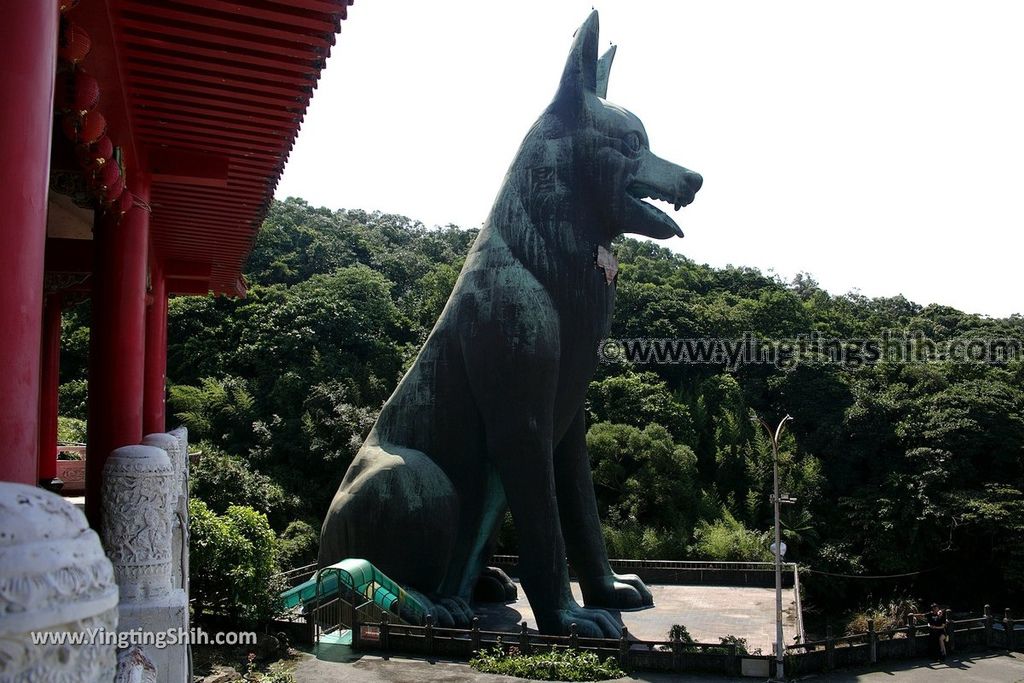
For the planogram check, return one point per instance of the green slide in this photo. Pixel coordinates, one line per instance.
(357, 576)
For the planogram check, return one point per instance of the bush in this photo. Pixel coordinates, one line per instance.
(276, 673)
(727, 540)
(740, 643)
(70, 430)
(73, 398)
(233, 562)
(679, 632)
(298, 545)
(556, 665)
(630, 540)
(890, 615)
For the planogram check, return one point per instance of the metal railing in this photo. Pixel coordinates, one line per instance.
(985, 632)
(687, 572)
(815, 656)
(433, 641)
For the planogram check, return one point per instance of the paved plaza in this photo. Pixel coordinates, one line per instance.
(708, 612)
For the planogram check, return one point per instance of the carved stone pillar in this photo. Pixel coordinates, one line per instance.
(141, 494)
(181, 434)
(179, 506)
(138, 500)
(54, 577)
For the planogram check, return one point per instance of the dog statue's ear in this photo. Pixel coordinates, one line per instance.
(604, 67)
(580, 74)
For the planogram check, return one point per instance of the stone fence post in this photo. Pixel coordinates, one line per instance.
(137, 511)
(988, 625)
(178, 508)
(141, 491)
(830, 649)
(872, 642)
(54, 578)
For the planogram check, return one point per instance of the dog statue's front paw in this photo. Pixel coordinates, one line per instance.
(618, 591)
(590, 623)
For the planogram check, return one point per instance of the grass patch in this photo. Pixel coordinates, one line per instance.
(556, 665)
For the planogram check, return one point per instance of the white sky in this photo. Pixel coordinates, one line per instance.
(876, 145)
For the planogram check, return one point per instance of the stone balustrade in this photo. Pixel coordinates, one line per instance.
(145, 533)
(54, 577)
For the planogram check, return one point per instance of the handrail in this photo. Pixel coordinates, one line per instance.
(672, 564)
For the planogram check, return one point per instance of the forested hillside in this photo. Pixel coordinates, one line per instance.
(897, 468)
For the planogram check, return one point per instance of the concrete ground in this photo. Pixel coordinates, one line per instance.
(708, 612)
(982, 668)
(991, 668)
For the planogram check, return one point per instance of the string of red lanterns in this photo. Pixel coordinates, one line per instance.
(76, 97)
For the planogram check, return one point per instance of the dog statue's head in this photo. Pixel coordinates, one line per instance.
(611, 161)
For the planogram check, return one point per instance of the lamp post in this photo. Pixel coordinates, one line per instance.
(780, 649)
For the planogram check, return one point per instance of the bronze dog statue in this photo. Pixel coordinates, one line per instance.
(490, 415)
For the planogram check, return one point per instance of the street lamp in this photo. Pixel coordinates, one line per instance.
(780, 648)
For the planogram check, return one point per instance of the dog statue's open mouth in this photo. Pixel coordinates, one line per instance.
(642, 190)
(639, 191)
(656, 178)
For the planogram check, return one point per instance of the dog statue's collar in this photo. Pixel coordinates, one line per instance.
(606, 261)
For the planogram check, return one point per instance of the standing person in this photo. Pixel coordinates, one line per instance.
(937, 632)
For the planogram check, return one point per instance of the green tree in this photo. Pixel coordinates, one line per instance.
(233, 561)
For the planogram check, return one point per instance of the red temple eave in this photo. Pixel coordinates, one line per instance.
(207, 97)
(145, 145)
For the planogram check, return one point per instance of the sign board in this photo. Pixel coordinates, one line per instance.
(369, 634)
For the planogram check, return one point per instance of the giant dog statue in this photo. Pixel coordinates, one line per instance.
(490, 415)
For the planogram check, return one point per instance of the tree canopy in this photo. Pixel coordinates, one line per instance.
(897, 467)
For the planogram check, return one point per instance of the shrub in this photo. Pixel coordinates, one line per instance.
(631, 540)
(71, 430)
(275, 673)
(728, 540)
(556, 665)
(889, 615)
(679, 632)
(298, 545)
(73, 398)
(233, 562)
(740, 643)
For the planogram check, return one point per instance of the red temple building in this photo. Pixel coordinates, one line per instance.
(143, 142)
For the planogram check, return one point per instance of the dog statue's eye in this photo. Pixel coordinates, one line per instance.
(633, 142)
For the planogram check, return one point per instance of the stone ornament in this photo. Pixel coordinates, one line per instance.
(179, 461)
(54, 577)
(133, 666)
(181, 434)
(138, 503)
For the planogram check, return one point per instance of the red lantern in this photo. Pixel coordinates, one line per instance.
(125, 202)
(76, 91)
(93, 127)
(74, 43)
(91, 157)
(105, 177)
(102, 148)
(111, 193)
(85, 129)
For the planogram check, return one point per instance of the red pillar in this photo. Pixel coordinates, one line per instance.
(117, 341)
(28, 54)
(49, 385)
(153, 419)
